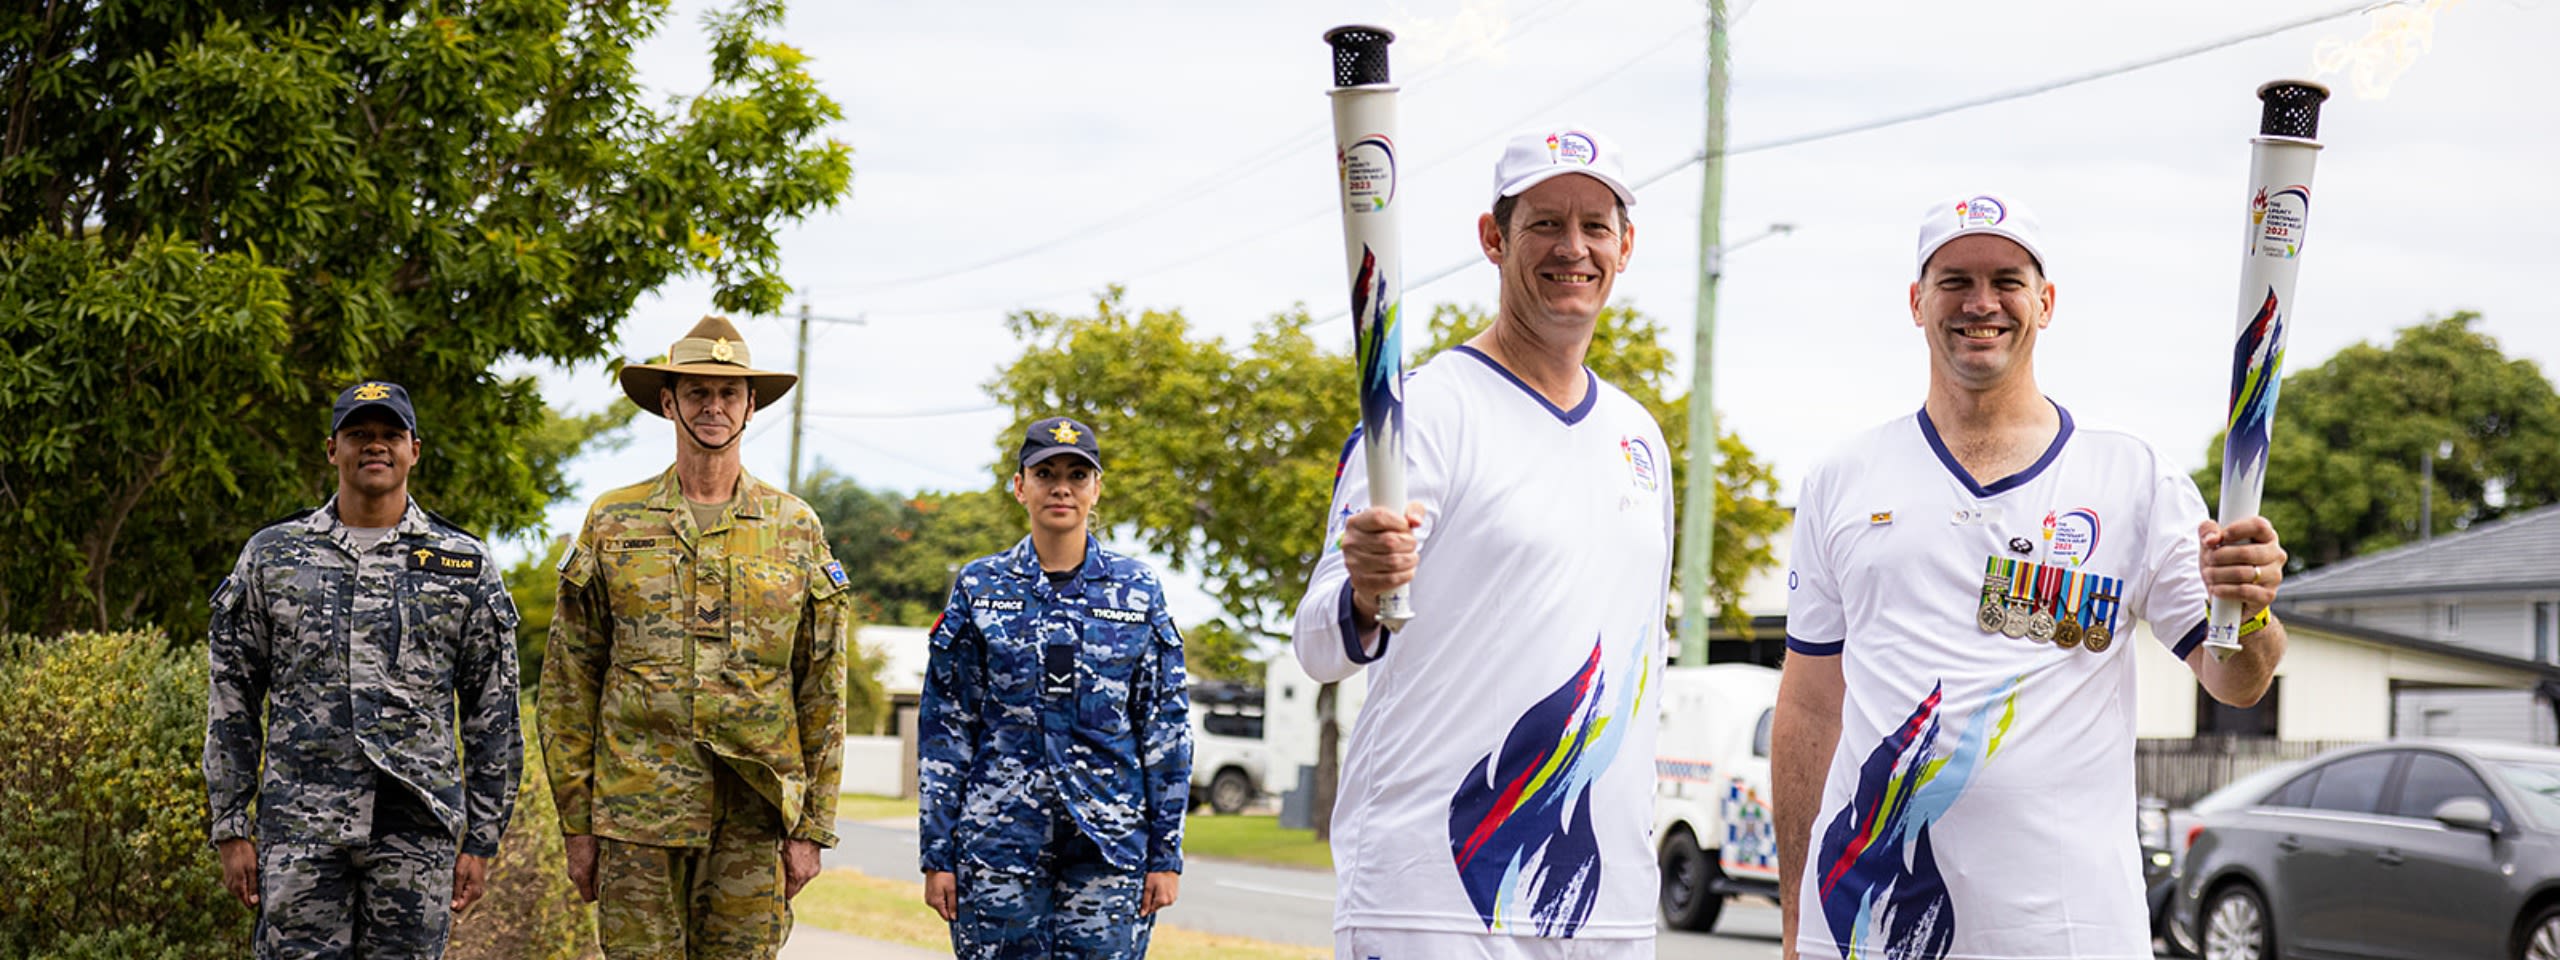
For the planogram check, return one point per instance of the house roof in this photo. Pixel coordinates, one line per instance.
(2303, 621)
(2517, 552)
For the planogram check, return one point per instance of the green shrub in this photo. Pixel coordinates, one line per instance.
(530, 912)
(102, 802)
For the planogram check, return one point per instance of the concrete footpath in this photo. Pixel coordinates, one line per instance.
(811, 943)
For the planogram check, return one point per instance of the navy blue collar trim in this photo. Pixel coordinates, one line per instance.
(1938, 446)
(1590, 388)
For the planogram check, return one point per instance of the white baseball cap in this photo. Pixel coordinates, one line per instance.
(1536, 157)
(1992, 213)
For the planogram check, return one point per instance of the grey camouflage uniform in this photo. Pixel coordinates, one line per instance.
(346, 675)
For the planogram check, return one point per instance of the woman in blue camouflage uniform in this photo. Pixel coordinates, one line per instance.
(1055, 751)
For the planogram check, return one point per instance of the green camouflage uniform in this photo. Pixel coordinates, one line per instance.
(378, 690)
(693, 711)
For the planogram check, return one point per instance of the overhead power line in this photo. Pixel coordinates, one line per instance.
(1938, 111)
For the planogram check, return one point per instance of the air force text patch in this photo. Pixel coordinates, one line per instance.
(997, 603)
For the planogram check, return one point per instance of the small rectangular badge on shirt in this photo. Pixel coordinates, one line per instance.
(433, 560)
(1058, 670)
(628, 544)
(1118, 616)
(1879, 518)
(997, 603)
(835, 573)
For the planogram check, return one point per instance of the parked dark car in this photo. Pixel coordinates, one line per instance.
(2411, 851)
(2162, 866)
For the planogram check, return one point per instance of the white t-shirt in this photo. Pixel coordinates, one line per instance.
(1500, 777)
(1981, 801)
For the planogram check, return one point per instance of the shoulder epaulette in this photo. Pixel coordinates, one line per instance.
(289, 518)
(439, 519)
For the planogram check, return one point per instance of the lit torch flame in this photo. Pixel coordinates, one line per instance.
(2397, 33)
(1475, 32)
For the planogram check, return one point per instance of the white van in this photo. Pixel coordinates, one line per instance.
(1231, 764)
(1712, 827)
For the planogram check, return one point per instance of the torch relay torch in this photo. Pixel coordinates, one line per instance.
(2280, 161)
(1364, 131)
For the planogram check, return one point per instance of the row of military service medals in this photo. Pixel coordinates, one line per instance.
(2047, 603)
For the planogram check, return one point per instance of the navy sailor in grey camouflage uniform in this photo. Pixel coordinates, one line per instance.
(365, 652)
(1055, 753)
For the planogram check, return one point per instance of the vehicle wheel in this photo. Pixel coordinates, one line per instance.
(2236, 926)
(1688, 902)
(1230, 791)
(2540, 940)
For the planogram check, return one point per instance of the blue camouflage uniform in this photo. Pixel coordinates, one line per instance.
(365, 700)
(1055, 754)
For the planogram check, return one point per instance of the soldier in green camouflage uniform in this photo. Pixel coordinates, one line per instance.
(365, 652)
(693, 693)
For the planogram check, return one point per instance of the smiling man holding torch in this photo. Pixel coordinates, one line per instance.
(1497, 795)
(1952, 757)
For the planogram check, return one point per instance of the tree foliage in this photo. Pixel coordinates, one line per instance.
(2352, 434)
(213, 216)
(901, 553)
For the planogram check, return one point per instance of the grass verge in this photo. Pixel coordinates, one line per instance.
(1258, 839)
(864, 806)
(894, 911)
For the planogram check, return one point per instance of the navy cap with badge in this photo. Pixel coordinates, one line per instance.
(373, 393)
(1057, 435)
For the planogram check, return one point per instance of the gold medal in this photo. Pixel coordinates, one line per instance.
(2066, 628)
(2102, 617)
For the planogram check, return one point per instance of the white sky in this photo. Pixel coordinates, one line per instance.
(1183, 149)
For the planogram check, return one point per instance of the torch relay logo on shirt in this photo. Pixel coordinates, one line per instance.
(2074, 535)
(1639, 462)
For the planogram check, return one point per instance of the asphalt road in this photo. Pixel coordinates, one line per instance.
(1285, 905)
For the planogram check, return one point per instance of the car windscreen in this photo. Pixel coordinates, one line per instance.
(2538, 784)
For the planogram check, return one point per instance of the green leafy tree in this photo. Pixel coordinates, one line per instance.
(215, 215)
(2352, 434)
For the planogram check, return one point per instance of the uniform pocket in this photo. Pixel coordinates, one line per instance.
(764, 610)
(434, 611)
(646, 589)
(1108, 663)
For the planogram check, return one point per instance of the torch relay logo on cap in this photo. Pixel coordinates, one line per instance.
(1980, 212)
(1571, 147)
